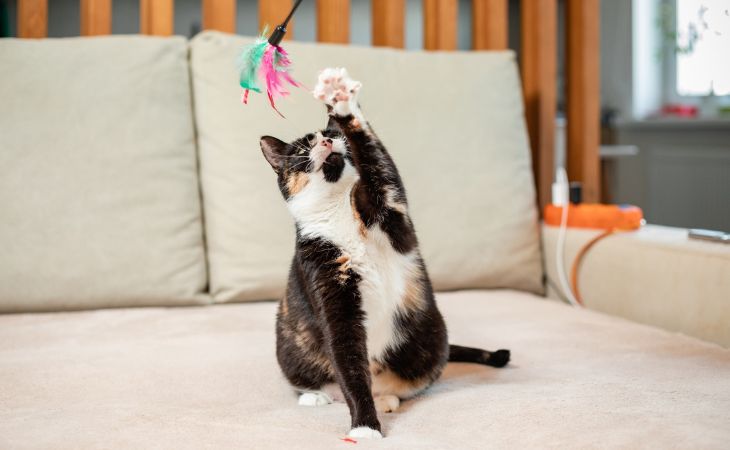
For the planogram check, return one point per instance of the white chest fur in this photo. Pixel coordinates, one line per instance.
(326, 213)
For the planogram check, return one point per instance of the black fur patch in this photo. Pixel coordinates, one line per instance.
(499, 358)
(333, 167)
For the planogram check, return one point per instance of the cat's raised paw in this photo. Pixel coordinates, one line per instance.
(314, 399)
(364, 433)
(386, 403)
(337, 90)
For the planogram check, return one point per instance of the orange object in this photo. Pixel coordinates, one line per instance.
(579, 258)
(595, 215)
(610, 218)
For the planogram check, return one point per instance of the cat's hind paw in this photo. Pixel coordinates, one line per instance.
(314, 399)
(338, 91)
(386, 403)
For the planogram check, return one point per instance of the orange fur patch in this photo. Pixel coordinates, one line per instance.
(304, 339)
(344, 262)
(361, 225)
(296, 183)
(385, 382)
(413, 295)
(344, 266)
(376, 368)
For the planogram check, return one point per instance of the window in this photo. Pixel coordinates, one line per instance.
(703, 47)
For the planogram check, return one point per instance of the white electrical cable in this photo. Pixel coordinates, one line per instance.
(561, 185)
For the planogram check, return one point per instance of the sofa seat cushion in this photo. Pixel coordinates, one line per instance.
(99, 195)
(453, 122)
(207, 377)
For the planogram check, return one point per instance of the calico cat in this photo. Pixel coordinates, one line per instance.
(358, 322)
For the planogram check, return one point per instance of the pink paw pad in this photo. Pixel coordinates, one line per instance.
(336, 89)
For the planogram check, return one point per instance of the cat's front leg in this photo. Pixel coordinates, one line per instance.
(336, 297)
(379, 195)
(346, 342)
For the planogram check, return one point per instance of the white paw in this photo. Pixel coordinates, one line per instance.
(336, 89)
(314, 399)
(364, 433)
(386, 403)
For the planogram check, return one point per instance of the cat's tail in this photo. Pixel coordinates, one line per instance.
(457, 353)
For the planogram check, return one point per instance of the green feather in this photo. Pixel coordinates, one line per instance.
(250, 61)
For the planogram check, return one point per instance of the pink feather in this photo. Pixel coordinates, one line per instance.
(275, 71)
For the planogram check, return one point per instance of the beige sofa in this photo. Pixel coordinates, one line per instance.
(131, 185)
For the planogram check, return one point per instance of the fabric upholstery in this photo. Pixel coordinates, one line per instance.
(453, 122)
(207, 377)
(657, 276)
(99, 195)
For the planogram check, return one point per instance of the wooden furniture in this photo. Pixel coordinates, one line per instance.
(490, 31)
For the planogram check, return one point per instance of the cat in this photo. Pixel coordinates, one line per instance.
(358, 322)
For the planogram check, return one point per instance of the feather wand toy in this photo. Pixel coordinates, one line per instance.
(266, 61)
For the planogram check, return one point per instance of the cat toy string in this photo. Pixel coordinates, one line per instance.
(266, 62)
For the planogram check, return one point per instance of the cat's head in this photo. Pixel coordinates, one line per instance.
(317, 166)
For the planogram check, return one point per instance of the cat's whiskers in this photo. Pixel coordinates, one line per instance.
(300, 163)
(301, 147)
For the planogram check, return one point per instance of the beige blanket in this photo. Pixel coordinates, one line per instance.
(206, 377)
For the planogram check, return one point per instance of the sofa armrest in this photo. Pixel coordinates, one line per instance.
(655, 275)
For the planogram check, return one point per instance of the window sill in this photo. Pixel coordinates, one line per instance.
(675, 123)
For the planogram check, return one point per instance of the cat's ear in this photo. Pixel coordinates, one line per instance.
(275, 151)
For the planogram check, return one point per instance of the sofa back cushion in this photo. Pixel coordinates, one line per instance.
(453, 123)
(99, 195)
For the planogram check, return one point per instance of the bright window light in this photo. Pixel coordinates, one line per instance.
(703, 47)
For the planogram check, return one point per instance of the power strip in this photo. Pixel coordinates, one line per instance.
(598, 216)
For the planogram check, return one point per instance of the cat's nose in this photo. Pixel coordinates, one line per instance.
(327, 143)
